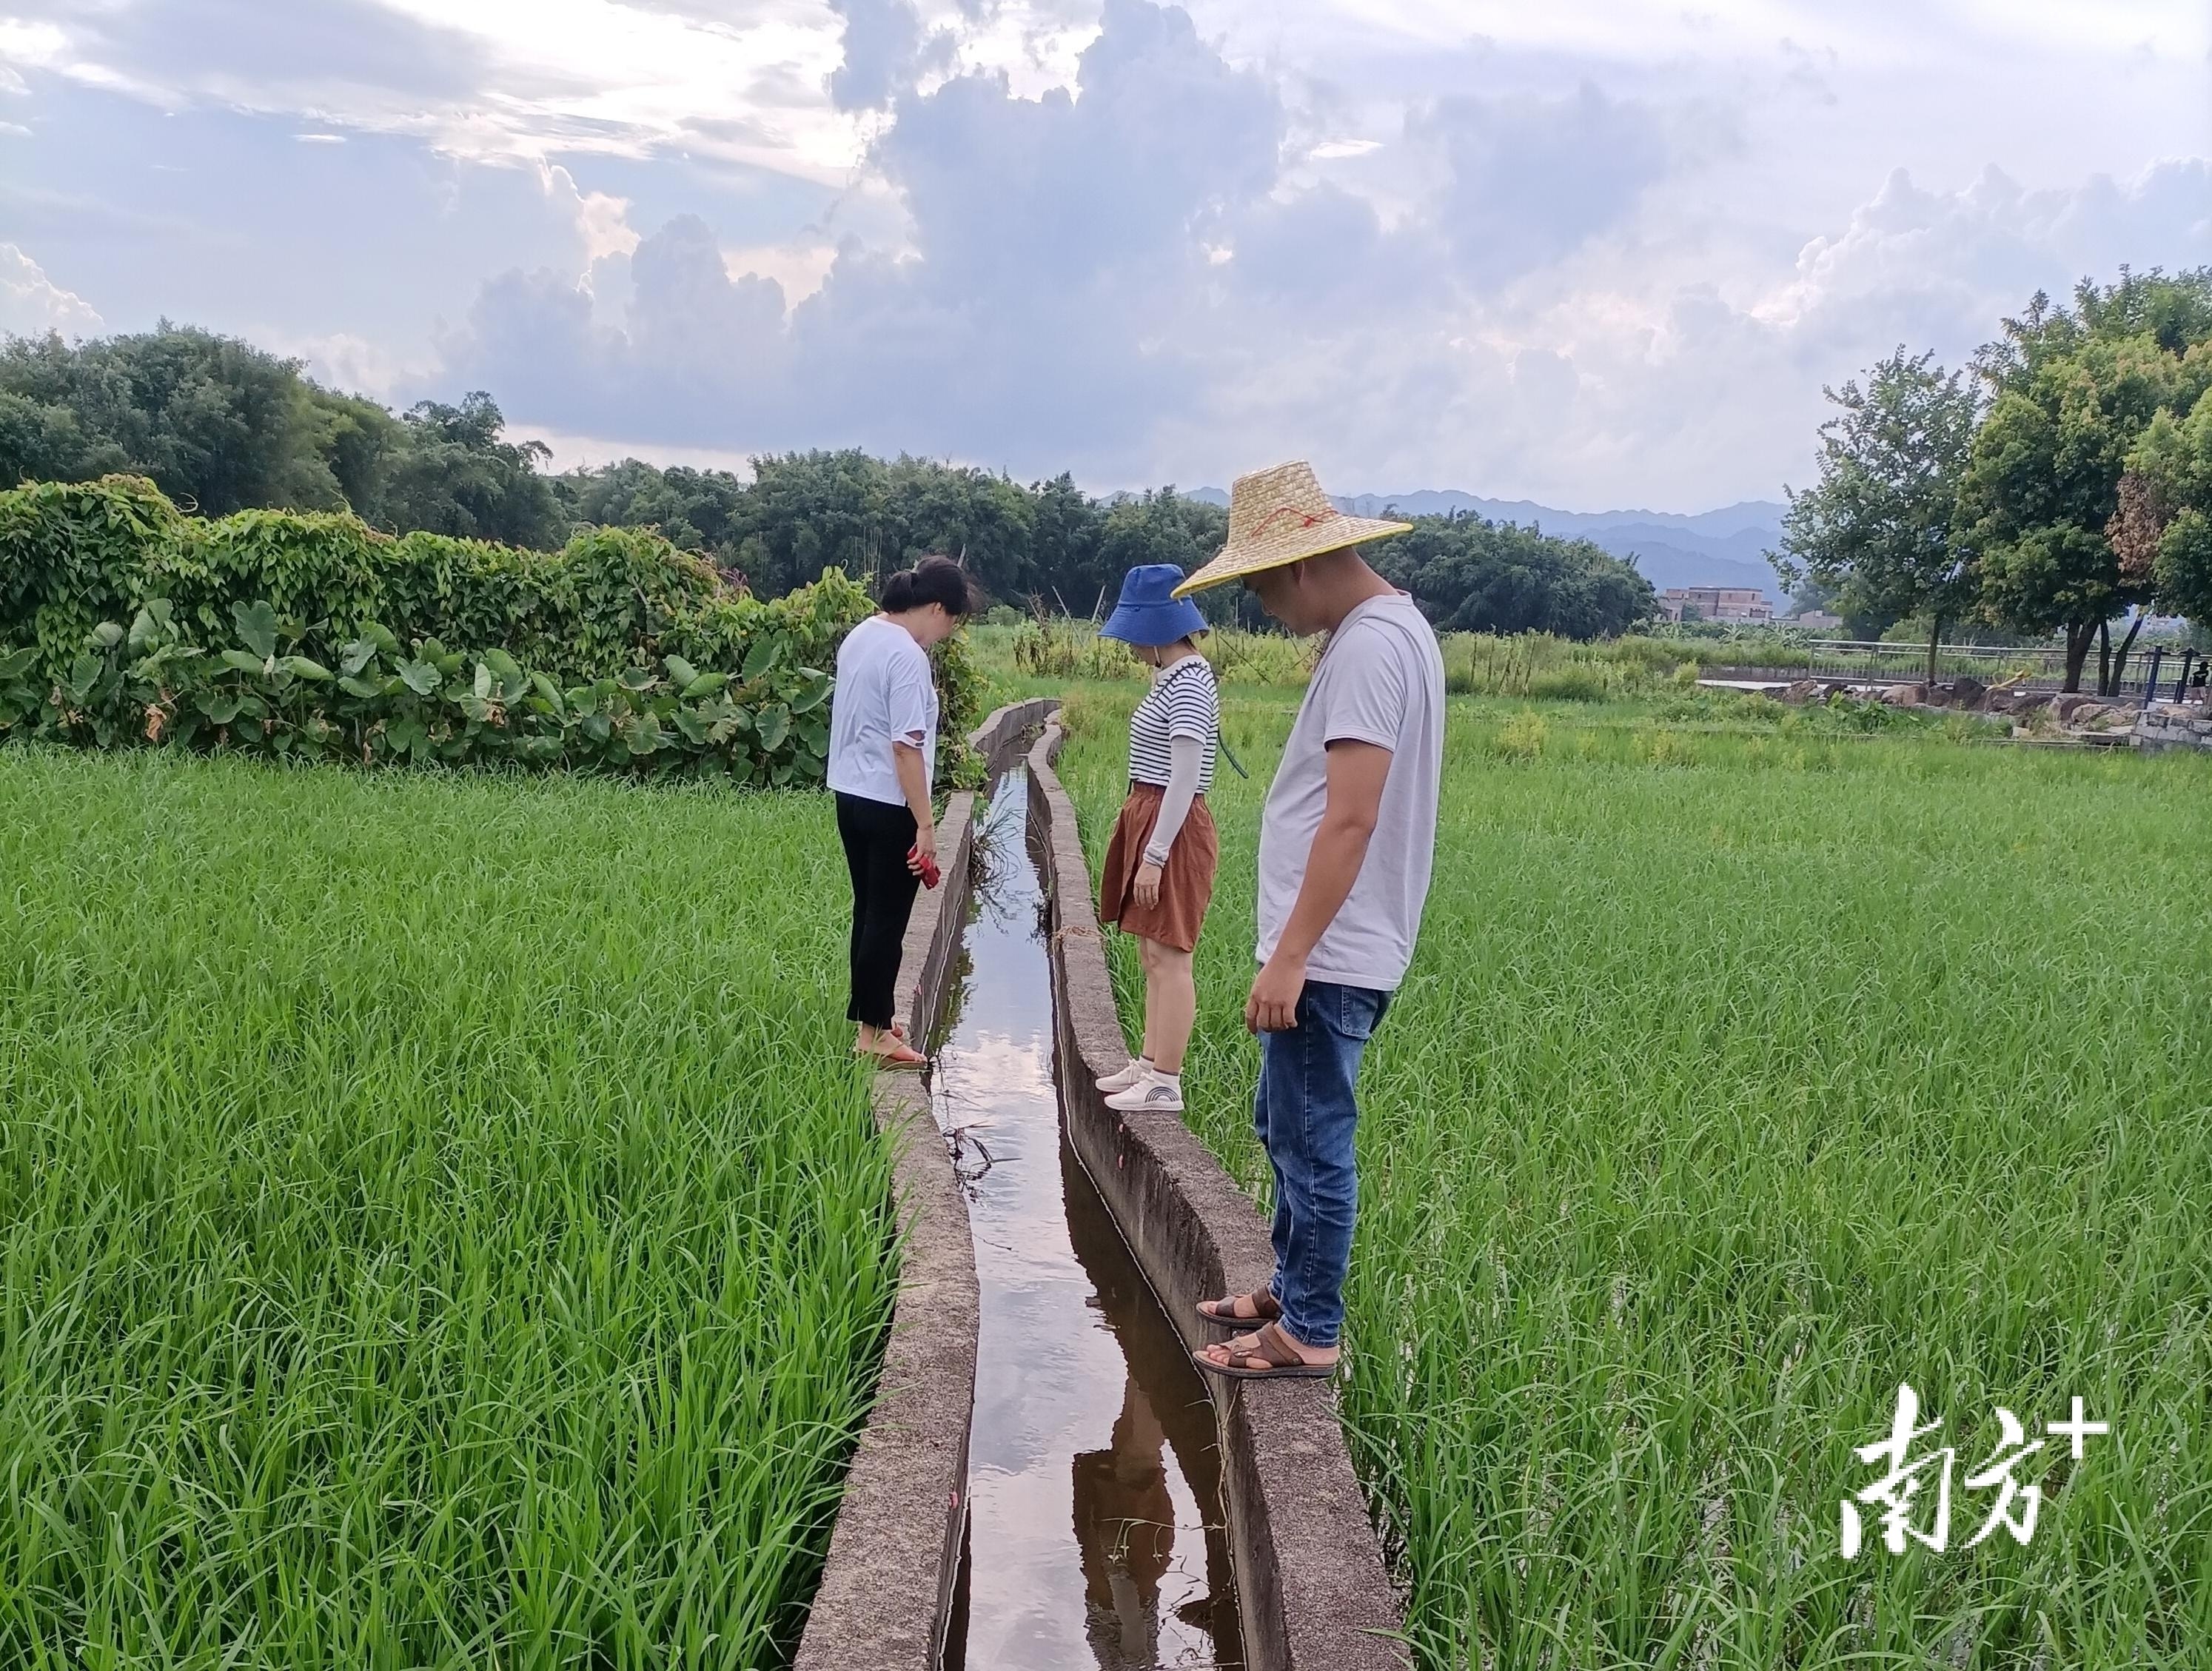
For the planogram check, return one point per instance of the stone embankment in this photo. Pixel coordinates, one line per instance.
(2067, 716)
(2173, 725)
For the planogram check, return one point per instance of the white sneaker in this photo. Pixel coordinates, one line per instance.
(1138, 1068)
(1156, 1093)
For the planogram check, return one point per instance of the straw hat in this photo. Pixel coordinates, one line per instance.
(1281, 516)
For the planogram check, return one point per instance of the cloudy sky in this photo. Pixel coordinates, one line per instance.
(1591, 253)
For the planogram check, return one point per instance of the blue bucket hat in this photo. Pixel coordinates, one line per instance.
(1150, 612)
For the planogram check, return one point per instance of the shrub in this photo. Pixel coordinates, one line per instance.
(1582, 683)
(1054, 646)
(73, 554)
(475, 592)
(614, 602)
(377, 704)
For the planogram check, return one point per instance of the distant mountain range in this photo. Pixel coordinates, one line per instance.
(1726, 547)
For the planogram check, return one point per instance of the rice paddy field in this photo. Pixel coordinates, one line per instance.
(1750, 1068)
(441, 1223)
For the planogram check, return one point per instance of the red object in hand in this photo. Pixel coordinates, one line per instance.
(930, 875)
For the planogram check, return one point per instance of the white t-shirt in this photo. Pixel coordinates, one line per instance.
(1380, 680)
(884, 695)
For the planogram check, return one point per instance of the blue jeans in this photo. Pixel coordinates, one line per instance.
(1305, 1114)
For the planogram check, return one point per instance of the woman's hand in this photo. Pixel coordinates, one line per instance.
(1147, 887)
(925, 849)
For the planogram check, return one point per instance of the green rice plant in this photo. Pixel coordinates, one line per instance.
(1260, 657)
(1585, 683)
(1521, 736)
(1541, 665)
(1055, 648)
(1723, 1098)
(441, 1223)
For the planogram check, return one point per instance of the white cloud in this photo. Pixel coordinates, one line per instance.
(574, 452)
(799, 267)
(1132, 282)
(31, 304)
(1581, 252)
(602, 220)
(353, 364)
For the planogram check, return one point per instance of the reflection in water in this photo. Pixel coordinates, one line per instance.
(1125, 1525)
(1094, 1533)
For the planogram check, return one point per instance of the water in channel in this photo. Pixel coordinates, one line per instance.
(1095, 1535)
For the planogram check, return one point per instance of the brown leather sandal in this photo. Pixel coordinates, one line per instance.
(1273, 1360)
(1222, 1314)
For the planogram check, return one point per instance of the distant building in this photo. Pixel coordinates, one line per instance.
(1814, 620)
(1714, 603)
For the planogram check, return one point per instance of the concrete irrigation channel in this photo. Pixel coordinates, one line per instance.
(1045, 1481)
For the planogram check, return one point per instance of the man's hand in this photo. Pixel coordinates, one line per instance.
(1273, 1005)
(1147, 887)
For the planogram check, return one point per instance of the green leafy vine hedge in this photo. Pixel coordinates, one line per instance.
(313, 636)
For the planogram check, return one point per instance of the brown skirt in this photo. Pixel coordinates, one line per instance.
(1186, 880)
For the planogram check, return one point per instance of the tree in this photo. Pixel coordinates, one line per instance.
(221, 425)
(456, 476)
(1470, 574)
(2164, 523)
(695, 510)
(217, 423)
(806, 512)
(1159, 526)
(2074, 392)
(1881, 527)
(360, 441)
(1066, 528)
(981, 519)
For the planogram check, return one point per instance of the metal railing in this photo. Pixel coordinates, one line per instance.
(2036, 667)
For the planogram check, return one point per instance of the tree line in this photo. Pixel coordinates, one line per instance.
(2061, 480)
(220, 426)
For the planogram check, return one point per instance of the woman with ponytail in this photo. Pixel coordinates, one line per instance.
(882, 756)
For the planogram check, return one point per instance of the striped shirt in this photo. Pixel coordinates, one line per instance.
(1182, 702)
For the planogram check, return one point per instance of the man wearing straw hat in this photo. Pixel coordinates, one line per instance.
(1345, 844)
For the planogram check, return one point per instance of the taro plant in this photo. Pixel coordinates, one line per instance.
(764, 725)
(20, 694)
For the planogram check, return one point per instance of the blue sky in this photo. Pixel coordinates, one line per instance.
(1593, 254)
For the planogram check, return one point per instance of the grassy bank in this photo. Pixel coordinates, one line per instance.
(1748, 1067)
(440, 1225)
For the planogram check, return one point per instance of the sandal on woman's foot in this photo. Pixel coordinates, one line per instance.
(1271, 1358)
(898, 1053)
(895, 1031)
(1223, 1313)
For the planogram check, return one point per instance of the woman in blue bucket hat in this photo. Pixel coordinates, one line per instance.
(1158, 875)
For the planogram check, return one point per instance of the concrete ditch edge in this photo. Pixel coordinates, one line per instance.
(1312, 1590)
(886, 1589)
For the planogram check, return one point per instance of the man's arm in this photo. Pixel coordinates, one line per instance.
(1357, 772)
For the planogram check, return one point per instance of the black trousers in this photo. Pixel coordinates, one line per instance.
(878, 837)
